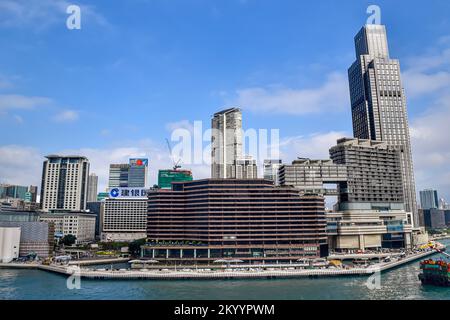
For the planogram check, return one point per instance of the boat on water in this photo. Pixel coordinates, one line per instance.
(435, 272)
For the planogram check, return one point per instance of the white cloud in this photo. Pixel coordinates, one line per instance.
(23, 165)
(157, 154)
(314, 146)
(182, 124)
(66, 116)
(419, 83)
(16, 101)
(20, 165)
(431, 148)
(428, 73)
(330, 96)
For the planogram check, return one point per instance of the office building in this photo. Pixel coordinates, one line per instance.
(124, 217)
(97, 208)
(31, 195)
(250, 220)
(64, 183)
(447, 217)
(18, 216)
(118, 175)
(429, 199)
(92, 187)
(79, 224)
(166, 177)
(18, 192)
(137, 174)
(312, 176)
(443, 204)
(226, 142)
(244, 168)
(271, 168)
(368, 230)
(434, 218)
(14, 204)
(9, 244)
(35, 237)
(374, 176)
(378, 102)
(130, 175)
(102, 195)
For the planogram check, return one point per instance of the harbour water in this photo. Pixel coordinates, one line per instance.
(398, 284)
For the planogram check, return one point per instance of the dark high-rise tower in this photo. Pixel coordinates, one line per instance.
(379, 104)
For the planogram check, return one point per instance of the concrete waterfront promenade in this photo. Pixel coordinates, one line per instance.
(211, 274)
(98, 261)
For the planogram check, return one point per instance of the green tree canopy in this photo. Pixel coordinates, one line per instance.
(68, 240)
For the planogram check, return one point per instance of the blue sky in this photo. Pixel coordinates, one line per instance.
(138, 68)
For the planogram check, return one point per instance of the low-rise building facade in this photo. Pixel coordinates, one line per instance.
(79, 224)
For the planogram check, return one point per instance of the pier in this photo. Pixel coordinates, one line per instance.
(208, 274)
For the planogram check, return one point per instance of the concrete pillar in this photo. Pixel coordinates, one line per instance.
(167, 253)
(181, 253)
(195, 253)
(361, 242)
(153, 253)
(209, 253)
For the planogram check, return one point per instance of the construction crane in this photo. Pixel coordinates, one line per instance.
(176, 164)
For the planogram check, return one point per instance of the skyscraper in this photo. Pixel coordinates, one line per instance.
(226, 142)
(379, 104)
(92, 187)
(18, 192)
(118, 175)
(129, 175)
(64, 183)
(137, 173)
(429, 199)
(271, 168)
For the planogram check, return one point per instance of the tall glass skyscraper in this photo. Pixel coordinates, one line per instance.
(429, 199)
(379, 104)
(131, 175)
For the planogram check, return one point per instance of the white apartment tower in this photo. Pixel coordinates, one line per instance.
(64, 183)
(92, 188)
(226, 142)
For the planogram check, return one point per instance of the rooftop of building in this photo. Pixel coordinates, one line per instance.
(312, 161)
(362, 143)
(234, 109)
(66, 213)
(55, 156)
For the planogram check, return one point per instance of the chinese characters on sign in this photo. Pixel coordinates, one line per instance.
(134, 193)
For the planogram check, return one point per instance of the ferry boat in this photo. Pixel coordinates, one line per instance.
(435, 272)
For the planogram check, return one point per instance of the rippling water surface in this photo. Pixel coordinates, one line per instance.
(401, 283)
